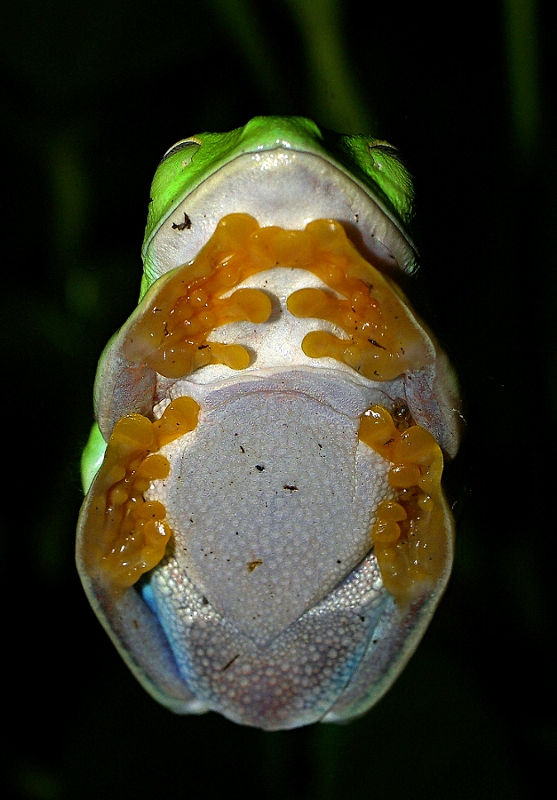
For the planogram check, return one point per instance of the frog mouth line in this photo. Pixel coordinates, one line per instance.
(288, 189)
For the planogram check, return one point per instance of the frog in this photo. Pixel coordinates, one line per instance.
(264, 532)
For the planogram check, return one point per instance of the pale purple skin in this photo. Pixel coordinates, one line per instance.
(310, 633)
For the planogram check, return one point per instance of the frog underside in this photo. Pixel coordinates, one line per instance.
(269, 605)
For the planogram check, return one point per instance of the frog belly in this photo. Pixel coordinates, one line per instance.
(270, 595)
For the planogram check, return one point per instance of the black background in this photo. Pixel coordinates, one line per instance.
(92, 96)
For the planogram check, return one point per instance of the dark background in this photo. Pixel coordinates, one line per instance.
(92, 96)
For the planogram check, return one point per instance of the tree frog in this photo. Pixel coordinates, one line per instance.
(264, 532)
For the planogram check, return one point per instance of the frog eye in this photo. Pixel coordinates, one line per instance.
(191, 144)
(378, 146)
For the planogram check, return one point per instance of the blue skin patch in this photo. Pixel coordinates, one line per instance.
(147, 595)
